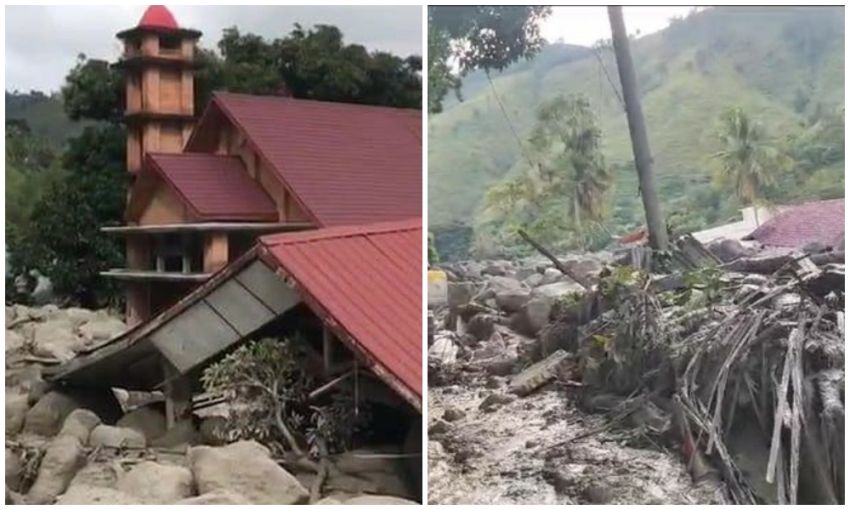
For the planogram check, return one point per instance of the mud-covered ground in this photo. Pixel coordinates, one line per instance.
(516, 454)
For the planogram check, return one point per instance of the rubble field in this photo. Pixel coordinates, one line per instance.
(704, 375)
(110, 446)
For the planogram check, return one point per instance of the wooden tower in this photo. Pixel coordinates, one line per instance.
(159, 66)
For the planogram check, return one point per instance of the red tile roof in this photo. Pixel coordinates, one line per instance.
(799, 225)
(345, 164)
(215, 187)
(158, 16)
(367, 280)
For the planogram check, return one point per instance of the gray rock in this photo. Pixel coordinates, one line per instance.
(258, 478)
(524, 272)
(495, 400)
(14, 341)
(148, 420)
(56, 339)
(438, 427)
(80, 494)
(98, 474)
(444, 350)
(157, 484)
(63, 458)
(453, 414)
(481, 326)
(460, 293)
(552, 275)
(499, 284)
(102, 329)
(727, 250)
(16, 411)
(79, 424)
(557, 290)
(533, 316)
(109, 436)
(79, 316)
(219, 497)
(512, 300)
(533, 281)
(183, 433)
(46, 417)
(14, 468)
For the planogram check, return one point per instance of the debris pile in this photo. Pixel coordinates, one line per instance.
(732, 371)
(111, 446)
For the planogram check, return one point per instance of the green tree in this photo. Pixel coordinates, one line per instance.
(748, 162)
(478, 37)
(567, 173)
(62, 236)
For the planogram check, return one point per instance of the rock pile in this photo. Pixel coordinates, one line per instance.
(104, 446)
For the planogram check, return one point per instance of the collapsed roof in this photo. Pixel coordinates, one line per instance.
(363, 282)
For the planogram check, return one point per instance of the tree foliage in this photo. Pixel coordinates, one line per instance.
(93, 90)
(311, 64)
(748, 162)
(63, 238)
(563, 190)
(268, 386)
(478, 37)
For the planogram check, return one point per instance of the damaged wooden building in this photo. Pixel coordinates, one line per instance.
(263, 216)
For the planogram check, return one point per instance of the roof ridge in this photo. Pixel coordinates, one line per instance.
(265, 97)
(343, 231)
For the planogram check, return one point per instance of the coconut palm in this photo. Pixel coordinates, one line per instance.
(747, 160)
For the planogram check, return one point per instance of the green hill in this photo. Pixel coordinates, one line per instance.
(43, 115)
(785, 66)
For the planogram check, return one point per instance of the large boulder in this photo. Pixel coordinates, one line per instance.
(533, 316)
(14, 468)
(512, 300)
(258, 478)
(460, 293)
(109, 436)
(728, 250)
(48, 414)
(500, 284)
(557, 290)
(81, 494)
(157, 484)
(149, 420)
(80, 424)
(79, 316)
(16, 411)
(14, 340)
(100, 329)
(552, 275)
(586, 269)
(98, 474)
(63, 458)
(218, 497)
(213, 430)
(46, 417)
(56, 339)
(481, 326)
(29, 381)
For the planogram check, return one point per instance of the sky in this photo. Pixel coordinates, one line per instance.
(586, 25)
(42, 42)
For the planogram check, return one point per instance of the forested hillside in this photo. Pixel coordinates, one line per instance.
(783, 66)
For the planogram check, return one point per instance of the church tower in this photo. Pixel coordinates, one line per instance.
(159, 66)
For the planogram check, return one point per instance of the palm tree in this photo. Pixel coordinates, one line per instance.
(747, 160)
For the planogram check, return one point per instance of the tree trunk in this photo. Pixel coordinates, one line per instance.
(655, 224)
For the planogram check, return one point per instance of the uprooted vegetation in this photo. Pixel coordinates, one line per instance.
(734, 376)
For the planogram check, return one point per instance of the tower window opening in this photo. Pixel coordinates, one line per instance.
(169, 44)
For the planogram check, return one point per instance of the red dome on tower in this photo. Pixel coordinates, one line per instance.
(158, 16)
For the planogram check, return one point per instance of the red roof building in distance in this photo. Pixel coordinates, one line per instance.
(796, 226)
(158, 16)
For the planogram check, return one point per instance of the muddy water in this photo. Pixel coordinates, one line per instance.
(512, 456)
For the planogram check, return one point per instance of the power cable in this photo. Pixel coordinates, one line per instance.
(508, 119)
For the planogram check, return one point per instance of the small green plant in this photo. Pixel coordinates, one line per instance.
(268, 386)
